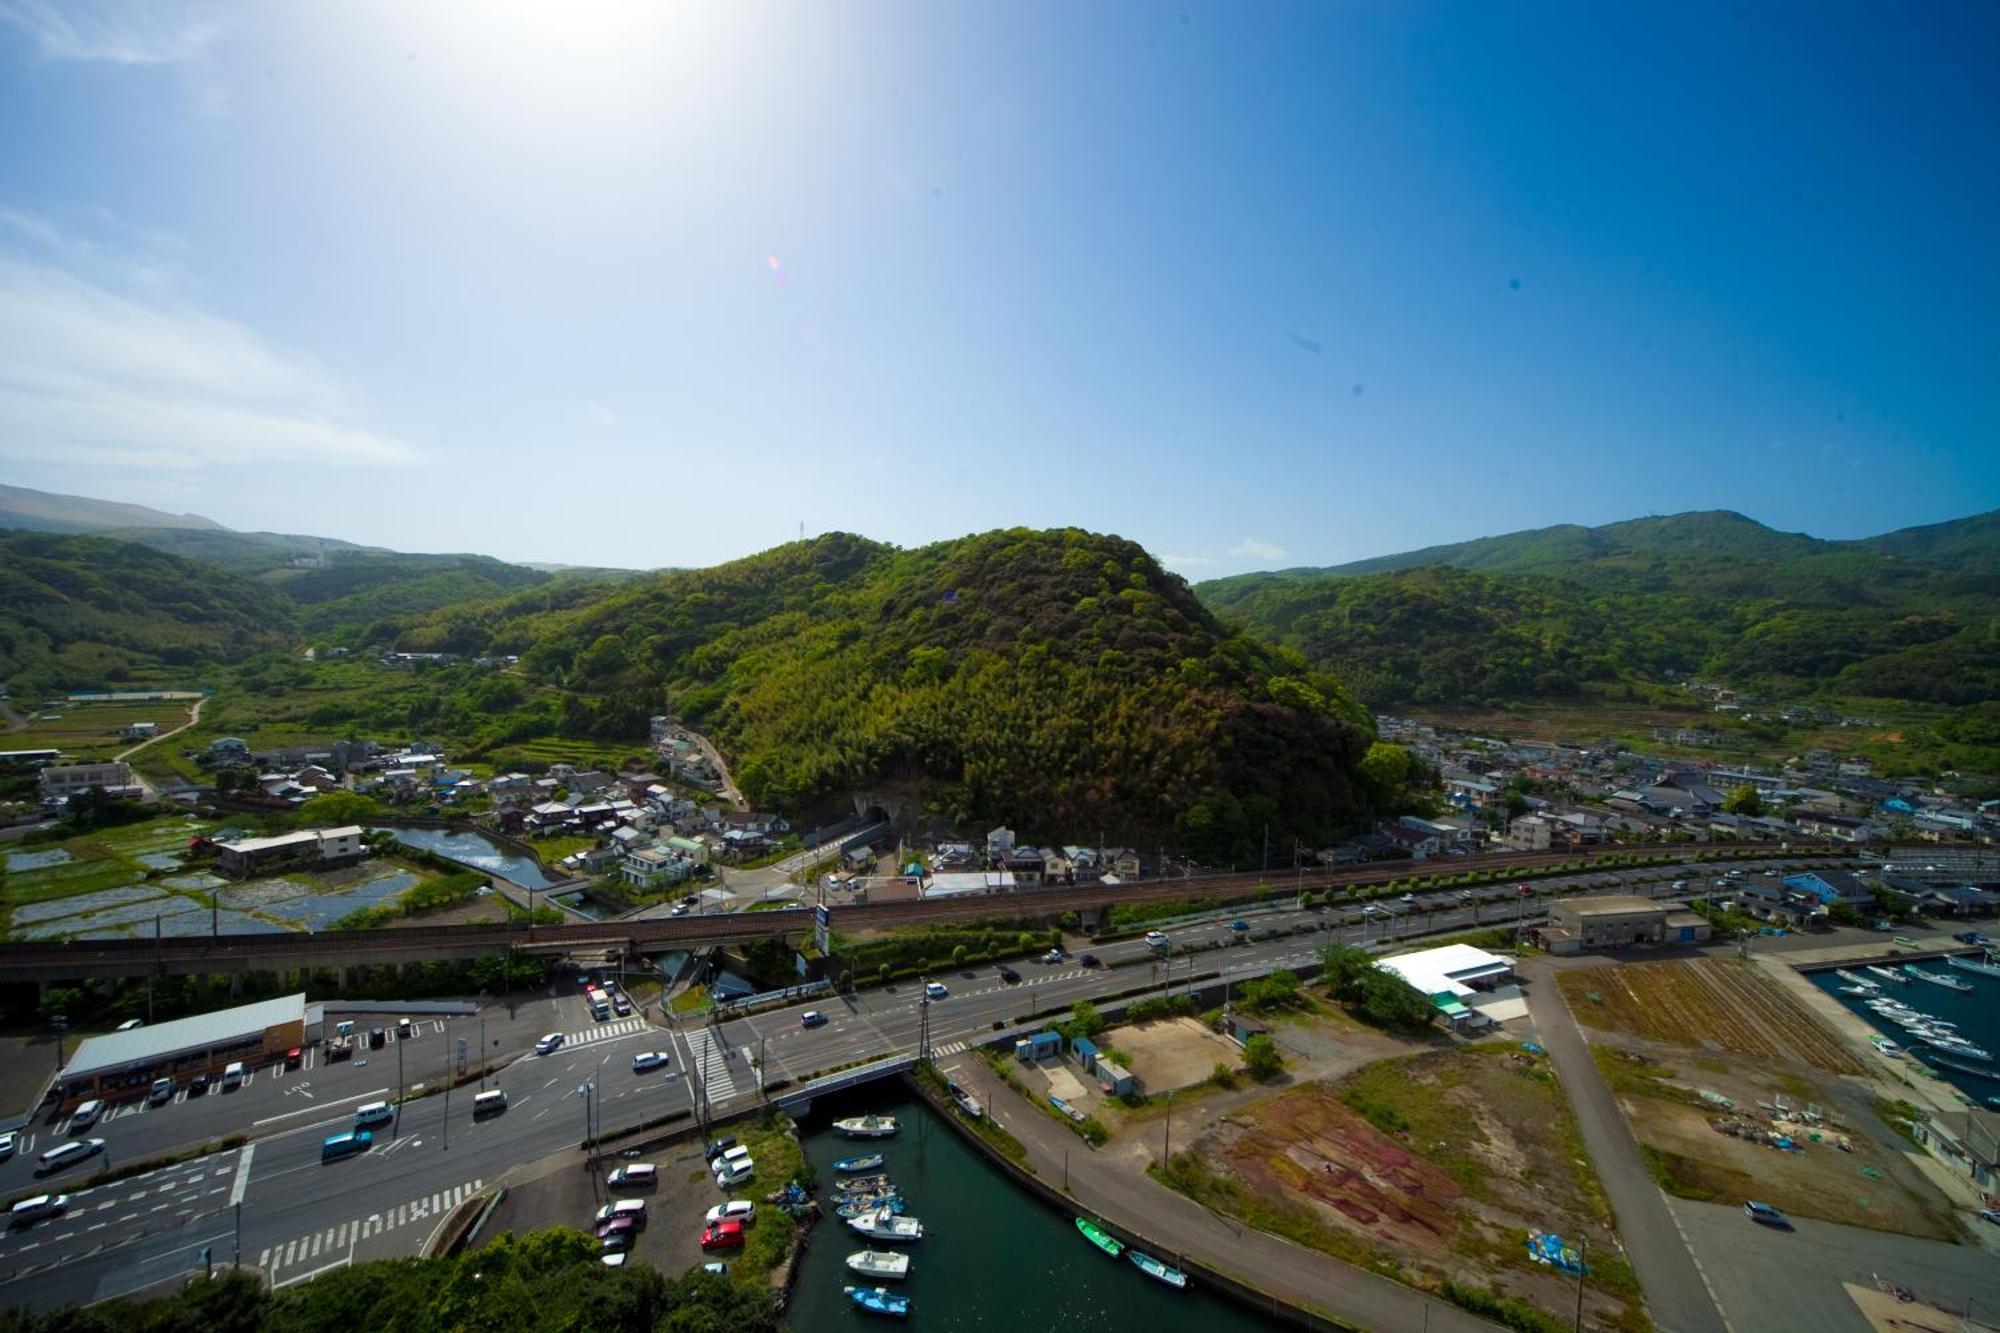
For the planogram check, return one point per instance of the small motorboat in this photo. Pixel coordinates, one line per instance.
(848, 1166)
(1896, 977)
(874, 1184)
(1153, 1268)
(1937, 978)
(867, 1126)
(1985, 966)
(872, 1203)
(881, 1265)
(884, 1224)
(880, 1300)
(1099, 1237)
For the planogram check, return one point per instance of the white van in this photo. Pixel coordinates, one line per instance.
(491, 1102)
(67, 1154)
(632, 1208)
(739, 1155)
(232, 1077)
(86, 1115)
(34, 1210)
(374, 1113)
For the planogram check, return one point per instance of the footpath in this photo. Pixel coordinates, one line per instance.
(1173, 1225)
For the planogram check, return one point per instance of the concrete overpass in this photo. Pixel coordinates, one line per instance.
(70, 959)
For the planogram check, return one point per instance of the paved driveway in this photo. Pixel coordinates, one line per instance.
(1769, 1279)
(1676, 1295)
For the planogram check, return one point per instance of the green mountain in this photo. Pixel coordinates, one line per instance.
(78, 611)
(1061, 681)
(1912, 614)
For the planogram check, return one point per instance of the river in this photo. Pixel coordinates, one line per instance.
(469, 847)
(992, 1257)
(1975, 1011)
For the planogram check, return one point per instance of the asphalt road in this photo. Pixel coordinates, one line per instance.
(1772, 1279)
(300, 1216)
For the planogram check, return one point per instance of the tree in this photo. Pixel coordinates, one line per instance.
(958, 956)
(1343, 969)
(1085, 1020)
(1261, 1057)
(60, 1000)
(1389, 1001)
(1744, 800)
(1276, 991)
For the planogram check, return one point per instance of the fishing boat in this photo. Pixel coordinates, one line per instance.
(1984, 966)
(874, 1184)
(867, 1126)
(1153, 1268)
(871, 1203)
(1936, 978)
(1945, 1062)
(1958, 1046)
(1099, 1237)
(1887, 975)
(882, 1265)
(883, 1224)
(880, 1300)
(1886, 1047)
(849, 1165)
(1857, 990)
(1855, 979)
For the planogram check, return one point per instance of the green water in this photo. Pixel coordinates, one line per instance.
(991, 1257)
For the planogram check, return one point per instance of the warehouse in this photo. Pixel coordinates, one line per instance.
(1620, 921)
(121, 1065)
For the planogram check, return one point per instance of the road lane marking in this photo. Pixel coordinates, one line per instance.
(242, 1183)
(319, 1107)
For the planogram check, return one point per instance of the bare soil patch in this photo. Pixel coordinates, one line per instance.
(1718, 1004)
(1173, 1053)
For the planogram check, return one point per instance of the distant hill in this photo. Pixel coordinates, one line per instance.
(45, 511)
(1910, 614)
(1059, 681)
(77, 611)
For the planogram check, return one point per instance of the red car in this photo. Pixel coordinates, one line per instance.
(722, 1235)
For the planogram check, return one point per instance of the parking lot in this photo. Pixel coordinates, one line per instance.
(670, 1240)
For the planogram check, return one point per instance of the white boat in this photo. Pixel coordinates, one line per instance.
(867, 1126)
(1964, 1050)
(1857, 990)
(885, 1225)
(879, 1264)
(1985, 966)
(1854, 978)
(1888, 975)
(1937, 978)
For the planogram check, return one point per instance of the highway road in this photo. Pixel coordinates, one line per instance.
(300, 1217)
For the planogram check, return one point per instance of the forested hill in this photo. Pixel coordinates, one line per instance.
(1061, 681)
(77, 611)
(1912, 614)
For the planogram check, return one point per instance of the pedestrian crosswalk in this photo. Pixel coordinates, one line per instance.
(709, 1060)
(950, 1048)
(334, 1246)
(621, 1027)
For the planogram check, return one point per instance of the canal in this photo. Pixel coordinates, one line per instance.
(992, 1258)
(469, 847)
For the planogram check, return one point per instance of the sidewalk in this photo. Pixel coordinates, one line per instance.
(1174, 1225)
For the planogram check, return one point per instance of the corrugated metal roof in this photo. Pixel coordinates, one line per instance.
(147, 1045)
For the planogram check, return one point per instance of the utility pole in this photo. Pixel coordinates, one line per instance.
(482, 1052)
(1167, 1146)
(399, 1083)
(239, 1230)
(447, 1088)
(1582, 1254)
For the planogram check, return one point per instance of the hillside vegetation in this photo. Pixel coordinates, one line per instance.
(1911, 615)
(1058, 680)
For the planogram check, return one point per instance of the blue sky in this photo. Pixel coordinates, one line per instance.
(655, 284)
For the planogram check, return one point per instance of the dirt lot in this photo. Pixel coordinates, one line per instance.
(1720, 1004)
(1434, 1167)
(1871, 1183)
(1174, 1052)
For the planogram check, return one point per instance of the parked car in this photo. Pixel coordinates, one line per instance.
(1765, 1213)
(730, 1174)
(1088, 960)
(548, 1043)
(935, 990)
(717, 1147)
(86, 1115)
(162, 1090)
(743, 1210)
(1407, 898)
(616, 1226)
(295, 1057)
(717, 1267)
(613, 1242)
(621, 1006)
(1052, 956)
(377, 1039)
(636, 1175)
(722, 1235)
(1009, 975)
(613, 1259)
(646, 1060)
(131, 1025)
(812, 1018)
(197, 1085)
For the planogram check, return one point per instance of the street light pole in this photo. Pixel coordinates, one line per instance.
(447, 1088)
(1167, 1147)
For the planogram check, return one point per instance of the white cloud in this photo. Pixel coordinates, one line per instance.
(600, 415)
(1256, 550)
(119, 32)
(1186, 561)
(90, 376)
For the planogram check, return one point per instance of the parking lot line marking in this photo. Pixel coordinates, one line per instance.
(264, 1259)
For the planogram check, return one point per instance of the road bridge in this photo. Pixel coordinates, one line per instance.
(69, 959)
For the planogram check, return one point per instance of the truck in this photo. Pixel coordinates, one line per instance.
(340, 1046)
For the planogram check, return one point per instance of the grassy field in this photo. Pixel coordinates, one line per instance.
(90, 731)
(1432, 1169)
(779, 1160)
(1715, 1003)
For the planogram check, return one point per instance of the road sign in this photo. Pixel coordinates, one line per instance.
(821, 920)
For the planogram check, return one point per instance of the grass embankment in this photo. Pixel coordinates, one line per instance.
(774, 1143)
(1090, 1129)
(1003, 1142)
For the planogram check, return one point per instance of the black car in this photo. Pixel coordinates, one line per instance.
(717, 1147)
(1088, 960)
(1009, 975)
(376, 1038)
(197, 1085)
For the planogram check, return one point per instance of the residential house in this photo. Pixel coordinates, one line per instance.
(114, 778)
(999, 842)
(1026, 864)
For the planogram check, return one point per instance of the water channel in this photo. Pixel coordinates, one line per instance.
(992, 1258)
(469, 847)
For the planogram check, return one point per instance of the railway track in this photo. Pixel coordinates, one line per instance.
(230, 952)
